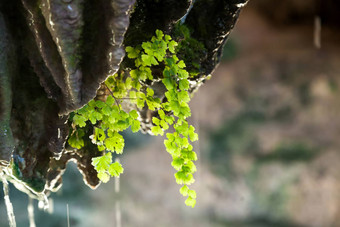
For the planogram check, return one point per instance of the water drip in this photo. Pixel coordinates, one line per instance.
(30, 210)
(118, 210)
(9, 206)
(68, 215)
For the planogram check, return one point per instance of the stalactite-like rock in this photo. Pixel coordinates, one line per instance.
(7, 67)
(80, 50)
(72, 53)
(54, 56)
(64, 21)
(149, 15)
(49, 68)
(83, 158)
(39, 131)
(105, 25)
(211, 22)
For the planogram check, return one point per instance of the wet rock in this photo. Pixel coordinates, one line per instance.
(149, 15)
(211, 22)
(62, 52)
(7, 67)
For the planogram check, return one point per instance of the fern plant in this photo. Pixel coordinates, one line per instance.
(109, 118)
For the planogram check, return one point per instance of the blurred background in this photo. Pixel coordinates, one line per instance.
(269, 137)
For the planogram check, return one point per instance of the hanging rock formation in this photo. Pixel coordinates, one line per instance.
(55, 54)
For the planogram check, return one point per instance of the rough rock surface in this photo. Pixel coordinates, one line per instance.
(6, 71)
(56, 53)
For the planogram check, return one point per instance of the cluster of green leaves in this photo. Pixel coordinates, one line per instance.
(108, 118)
(162, 49)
